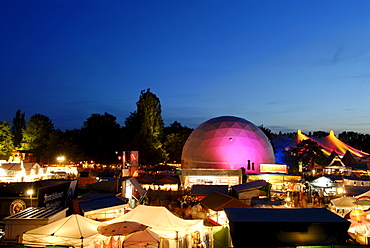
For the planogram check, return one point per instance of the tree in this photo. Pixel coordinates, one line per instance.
(6, 140)
(175, 138)
(19, 123)
(319, 134)
(269, 134)
(101, 138)
(356, 140)
(147, 123)
(309, 151)
(59, 144)
(36, 134)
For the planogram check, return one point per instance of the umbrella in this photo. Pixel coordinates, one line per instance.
(121, 228)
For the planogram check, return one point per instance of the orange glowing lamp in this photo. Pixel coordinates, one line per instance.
(358, 215)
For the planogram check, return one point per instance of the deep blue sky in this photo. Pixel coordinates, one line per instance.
(286, 65)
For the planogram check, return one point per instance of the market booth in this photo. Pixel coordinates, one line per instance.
(196, 176)
(215, 203)
(279, 182)
(174, 231)
(101, 206)
(246, 191)
(74, 230)
(30, 218)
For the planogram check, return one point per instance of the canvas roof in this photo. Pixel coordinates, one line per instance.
(249, 185)
(218, 201)
(161, 220)
(141, 238)
(167, 180)
(329, 143)
(74, 230)
(348, 159)
(344, 202)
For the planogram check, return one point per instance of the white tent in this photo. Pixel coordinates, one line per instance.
(367, 193)
(344, 202)
(73, 230)
(144, 238)
(161, 221)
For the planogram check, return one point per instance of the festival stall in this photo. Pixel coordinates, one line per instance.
(74, 230)
(28, 219)
(246, 191)
(343, 205)
(145, 238)
(215, 203)
(174, 231)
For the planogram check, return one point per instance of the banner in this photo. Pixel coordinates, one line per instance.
(274, 168)
(134, 158)
(58, 195)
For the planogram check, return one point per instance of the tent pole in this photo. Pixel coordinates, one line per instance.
(177, 239)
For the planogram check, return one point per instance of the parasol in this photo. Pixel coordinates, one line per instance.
(121, 228)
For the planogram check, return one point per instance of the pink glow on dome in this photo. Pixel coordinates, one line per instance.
(227, 142)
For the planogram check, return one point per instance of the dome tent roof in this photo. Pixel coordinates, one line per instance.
(227, 142)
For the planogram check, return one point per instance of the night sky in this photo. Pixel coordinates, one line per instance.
(286, 65)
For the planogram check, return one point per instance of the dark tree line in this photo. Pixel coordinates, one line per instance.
(100, 138)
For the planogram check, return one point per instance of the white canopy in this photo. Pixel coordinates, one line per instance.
(344, 202)
(73, 230)
(144, 238)
(161, 221)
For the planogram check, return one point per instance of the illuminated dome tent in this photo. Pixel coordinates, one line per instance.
(227, 142)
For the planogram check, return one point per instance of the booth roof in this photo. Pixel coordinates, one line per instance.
(204, 190)
(36, 213)
(249, 185)
(217, 202)
(161, 220)
(100, 203)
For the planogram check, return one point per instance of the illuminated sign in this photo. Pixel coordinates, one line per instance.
(275, 168)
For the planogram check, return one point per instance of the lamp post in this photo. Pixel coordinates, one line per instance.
(60, 159)
(30, 193)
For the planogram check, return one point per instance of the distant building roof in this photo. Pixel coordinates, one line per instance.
(204, 190)
(249, 185)
(36, 213)
(100, 203)
(218, 201)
